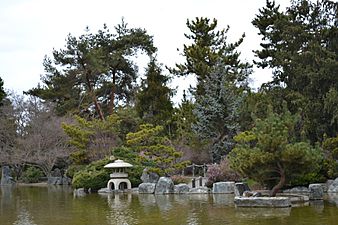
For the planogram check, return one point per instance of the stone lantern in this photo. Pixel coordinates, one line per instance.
(119, 178)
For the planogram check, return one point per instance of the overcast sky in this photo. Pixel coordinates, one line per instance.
(31, 29)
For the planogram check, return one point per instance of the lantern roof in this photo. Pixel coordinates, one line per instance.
(118, 164)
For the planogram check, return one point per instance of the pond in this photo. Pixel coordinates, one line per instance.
(55, 205)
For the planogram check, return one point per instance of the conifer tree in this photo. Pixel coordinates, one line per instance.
(94, 72)
(300, 45)
(153, 102)
(209, 47)
(155, 150)
(2, 91)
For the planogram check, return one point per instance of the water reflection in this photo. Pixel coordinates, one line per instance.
(259, 213)
(223, 199)
(317, 205)
(24, 218)
(120, 211)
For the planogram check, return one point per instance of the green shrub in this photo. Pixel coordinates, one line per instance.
(94, 180)
(74, 169)
(93, 176)
(31, 175)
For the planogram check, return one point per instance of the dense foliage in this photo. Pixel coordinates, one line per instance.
(2, 91)
(94, 73)
(93, 103)
(156, 150)
(301, 46)
(269, 152)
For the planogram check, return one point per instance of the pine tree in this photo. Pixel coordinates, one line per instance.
(153, 100)
(217, 111)
(209, 47)
(300, 45)
(2, 91)
(155, 150)
(94, 72)
(269, 153)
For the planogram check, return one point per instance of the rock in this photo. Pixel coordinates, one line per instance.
(149, 177)
(299, 189)
(316, 192)
(252, 194)
(56, 173)
(223, 187)
(269, 202)
(134, 190)
(324, 187)
(80, 192)
(256, 194)
(54, 180)
(164, 186)
(240, 188)
(59, 181)
(6, 178)
(66, 181)
(146, 188)
(181, 188)
(199, 190)
(104, 191)
(333, 188)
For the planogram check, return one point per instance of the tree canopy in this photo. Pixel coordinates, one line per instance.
(94, 72)
(209, 46)
(270, 153)
(2, 91)
(301, 46)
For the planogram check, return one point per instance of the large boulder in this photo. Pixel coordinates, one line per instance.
(181, 188)
(164, 186)
(223, 187)
(149, 177)
(333, 187)
(240, 188)
(199, 190)
(316, 192)
(146, 188)
(6, 178)
(299, 189)
(265, 202)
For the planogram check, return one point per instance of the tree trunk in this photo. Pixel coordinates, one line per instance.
(281, 182)
(112, 95)
(96, 103)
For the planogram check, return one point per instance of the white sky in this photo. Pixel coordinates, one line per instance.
(30, 29)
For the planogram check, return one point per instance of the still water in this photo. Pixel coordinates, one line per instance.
(56, 205)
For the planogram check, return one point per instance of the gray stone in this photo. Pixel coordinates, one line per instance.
(164, 186)
(269, 202)
(104, 190)
(146, 188)
(149, 177)
(56, 173)
(59, 181)
(181, 188)
(315, 192)
(66, 181)
(256, 194)
(199, 190)
(54, 180)
(134, 190)
(299, 189)
(80, 192)
(240, 188)
(333, 188)
(223, 187)
(6, 178)
(252, 194)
